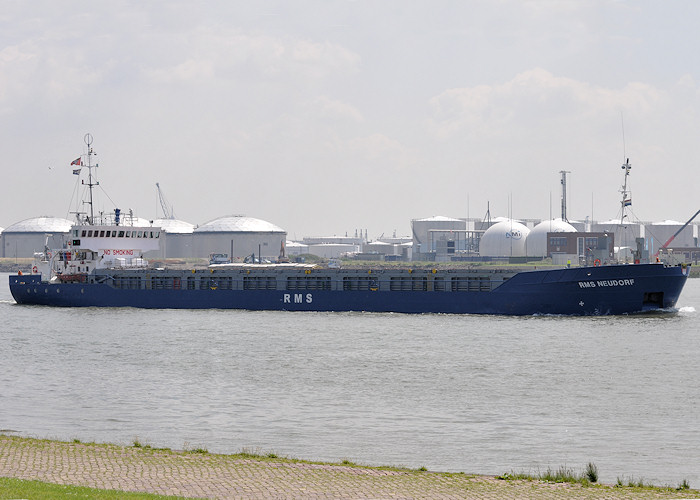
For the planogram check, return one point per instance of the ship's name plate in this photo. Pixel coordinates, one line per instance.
(603, 283)
(297, 298)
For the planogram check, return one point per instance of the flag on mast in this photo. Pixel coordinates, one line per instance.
(77, 161)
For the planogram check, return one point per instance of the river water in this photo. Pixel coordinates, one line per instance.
(478, 394)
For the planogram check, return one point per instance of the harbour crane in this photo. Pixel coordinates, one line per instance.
(167, 208)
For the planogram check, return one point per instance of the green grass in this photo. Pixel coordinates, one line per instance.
(591, 472)
(561, 475)
(20, 488)
(588, 477)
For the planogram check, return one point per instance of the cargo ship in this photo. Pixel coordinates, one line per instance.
(602, 290)
(103, 266)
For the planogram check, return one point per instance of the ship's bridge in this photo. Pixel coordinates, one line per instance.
(115, 241)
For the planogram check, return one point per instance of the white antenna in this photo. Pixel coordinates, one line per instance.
(624, 145)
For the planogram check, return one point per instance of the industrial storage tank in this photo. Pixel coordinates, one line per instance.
(23, 238)
(507, 238)
(423, 238)
(176, 238)
(660, 232)
(537, 238)
(625, 234)
(239, 236)
(332, 250)
(296, 248)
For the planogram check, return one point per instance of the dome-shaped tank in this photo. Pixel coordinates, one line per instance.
(239, 236)
(537, 239)
(507, 238)
(174, 226)
(44, 224)
(23, 238)
(238, 224)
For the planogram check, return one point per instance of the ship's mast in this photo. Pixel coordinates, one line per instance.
(624, 203)
(626, 198)
(90, 152)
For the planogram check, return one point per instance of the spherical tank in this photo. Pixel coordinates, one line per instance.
(537, 239)
(507, 238)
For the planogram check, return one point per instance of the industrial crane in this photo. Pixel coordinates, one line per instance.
(167, 208)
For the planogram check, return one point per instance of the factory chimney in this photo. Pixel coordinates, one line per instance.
(563, 194)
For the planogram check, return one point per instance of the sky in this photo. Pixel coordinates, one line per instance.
(325, 117)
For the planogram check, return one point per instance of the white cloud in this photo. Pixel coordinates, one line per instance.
(335, 109)
(230, 54)
(535, 95)
(381, 151)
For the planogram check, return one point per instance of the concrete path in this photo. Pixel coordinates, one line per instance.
(207, 475)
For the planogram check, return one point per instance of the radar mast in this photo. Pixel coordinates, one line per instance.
(91, 181)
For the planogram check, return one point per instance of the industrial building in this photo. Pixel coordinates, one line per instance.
(537, 238)
(438, 236)
(589, 248)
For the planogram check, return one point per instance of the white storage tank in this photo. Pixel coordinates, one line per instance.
(295, 248)
(422, 242)
(537, 238)
(239, 236)
(23, 238)
(660, 232)
(176, 238)
(332, 250)
(507, 238)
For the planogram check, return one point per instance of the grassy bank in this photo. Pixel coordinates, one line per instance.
(35, 468)
(11, 488)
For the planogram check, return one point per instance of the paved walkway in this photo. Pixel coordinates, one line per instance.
(207, 475)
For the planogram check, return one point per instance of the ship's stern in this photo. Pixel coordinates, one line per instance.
(21, 285)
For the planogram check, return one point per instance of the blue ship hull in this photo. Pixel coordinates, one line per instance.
(618, 289)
